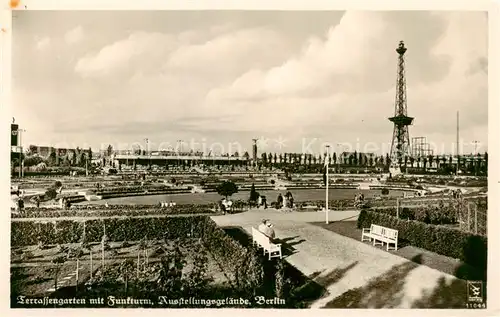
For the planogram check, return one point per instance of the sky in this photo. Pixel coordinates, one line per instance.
(217, 79)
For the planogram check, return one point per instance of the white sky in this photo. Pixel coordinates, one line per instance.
(91, 78)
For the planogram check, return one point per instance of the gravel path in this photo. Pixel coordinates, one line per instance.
(342, 264)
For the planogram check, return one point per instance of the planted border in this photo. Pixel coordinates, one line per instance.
(469, 248)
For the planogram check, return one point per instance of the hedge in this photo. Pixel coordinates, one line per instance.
(117, 229)
(467, 247)
(243, 266)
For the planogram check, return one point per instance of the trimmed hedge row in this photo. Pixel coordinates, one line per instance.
(467, 247)
(243, 266)
(117, 229)
(127, 212)
(436, 215)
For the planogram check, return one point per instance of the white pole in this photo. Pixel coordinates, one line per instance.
(77, 269)
(327, 165)
(91, 264)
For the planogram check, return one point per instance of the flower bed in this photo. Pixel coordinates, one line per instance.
(337, 204)
(467, 247)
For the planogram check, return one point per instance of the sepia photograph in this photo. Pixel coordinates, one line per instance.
(249, 159)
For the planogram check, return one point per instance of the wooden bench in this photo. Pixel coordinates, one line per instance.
(263, 241)
(382, 234)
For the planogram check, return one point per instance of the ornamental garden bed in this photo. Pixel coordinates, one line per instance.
(181, 257)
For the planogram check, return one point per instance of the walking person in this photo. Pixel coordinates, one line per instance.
(290, 199)
(279, 201)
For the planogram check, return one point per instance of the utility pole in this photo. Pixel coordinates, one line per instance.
(21, 160)
(458, 145)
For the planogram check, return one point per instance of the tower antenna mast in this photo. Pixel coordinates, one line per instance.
(400, 146)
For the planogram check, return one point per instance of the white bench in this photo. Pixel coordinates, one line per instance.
(263, 241)
(382, 234)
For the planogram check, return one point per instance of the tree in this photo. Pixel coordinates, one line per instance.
(52, 157)
(412, 161)
(254, 195)
(355, 158)
(227, 188)
(33, 160)
(109, 150)
(334, 158)
(264, 158)
(73, 161)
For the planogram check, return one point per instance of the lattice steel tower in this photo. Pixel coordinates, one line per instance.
(400, 147)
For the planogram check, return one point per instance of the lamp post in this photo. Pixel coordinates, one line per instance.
(327, 165)
(147, 151)
(179, 144)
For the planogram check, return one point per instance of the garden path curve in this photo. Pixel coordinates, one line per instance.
(355, 273)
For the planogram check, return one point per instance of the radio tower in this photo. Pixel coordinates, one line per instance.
(400, 147)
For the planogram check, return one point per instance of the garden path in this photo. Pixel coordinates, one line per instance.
(356, 274)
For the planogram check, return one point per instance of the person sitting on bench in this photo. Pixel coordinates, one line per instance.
(267, 228)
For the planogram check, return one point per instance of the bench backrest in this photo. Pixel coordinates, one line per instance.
(261, 238)
(383, 231)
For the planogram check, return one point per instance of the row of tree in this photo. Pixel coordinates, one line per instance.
(468, 163)
(77, 157)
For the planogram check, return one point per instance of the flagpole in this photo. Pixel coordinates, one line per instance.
(327, 163)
